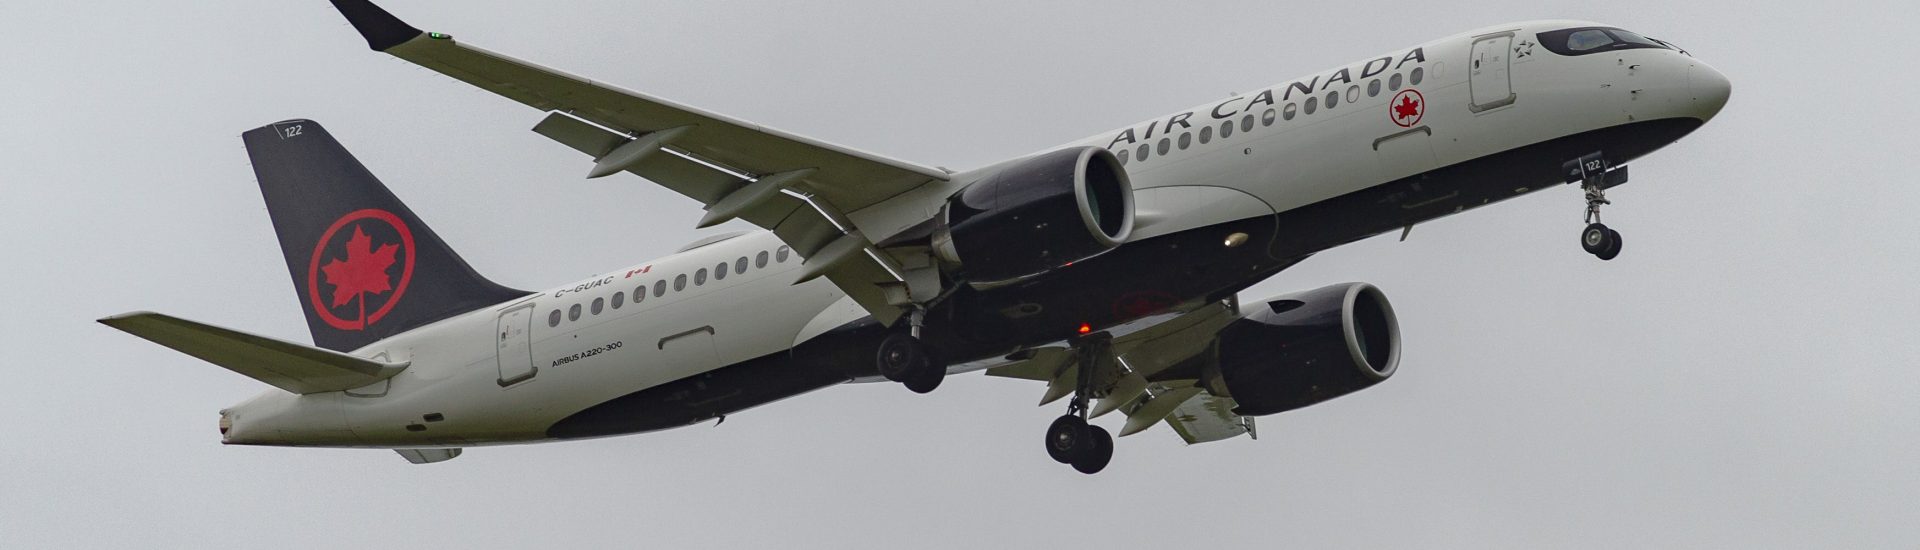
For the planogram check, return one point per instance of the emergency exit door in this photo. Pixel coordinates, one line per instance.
(1489, 72)
(514, 345)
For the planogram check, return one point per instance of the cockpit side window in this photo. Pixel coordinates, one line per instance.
(1586, 40)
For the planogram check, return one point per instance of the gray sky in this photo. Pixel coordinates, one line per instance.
(1743, 376)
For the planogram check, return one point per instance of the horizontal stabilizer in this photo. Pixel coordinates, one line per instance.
(293, 367)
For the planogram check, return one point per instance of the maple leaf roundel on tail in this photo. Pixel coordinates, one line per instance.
(360, 268)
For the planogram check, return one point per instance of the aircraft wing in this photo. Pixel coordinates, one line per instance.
(807, 191)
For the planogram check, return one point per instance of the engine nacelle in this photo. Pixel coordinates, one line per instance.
(1300, 349)
(1037, 215)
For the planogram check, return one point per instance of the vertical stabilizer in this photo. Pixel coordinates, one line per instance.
(364, 266)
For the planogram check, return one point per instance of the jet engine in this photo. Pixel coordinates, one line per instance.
(1035, 215)
(1301, 349)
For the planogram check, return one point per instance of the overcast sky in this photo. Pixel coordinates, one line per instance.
(1742, 376)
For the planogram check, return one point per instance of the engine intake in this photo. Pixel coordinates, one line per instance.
(1036, 215)
(1304, 348)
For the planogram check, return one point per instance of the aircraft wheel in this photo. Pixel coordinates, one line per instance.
(1613, 246)
(1098, 453)
(1595, 238)
(900, 357)
(1067, 437)
(926, 379)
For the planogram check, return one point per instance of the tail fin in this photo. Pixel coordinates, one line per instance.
(364, 266)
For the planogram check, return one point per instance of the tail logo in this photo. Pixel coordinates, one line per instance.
(350, 282)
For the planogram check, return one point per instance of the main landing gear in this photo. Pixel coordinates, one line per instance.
(1595, 175)
(1071, 440)
(903, 358)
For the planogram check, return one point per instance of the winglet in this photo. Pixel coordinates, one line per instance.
(381, 29)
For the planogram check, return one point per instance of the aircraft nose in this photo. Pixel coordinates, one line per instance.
(1710, 90)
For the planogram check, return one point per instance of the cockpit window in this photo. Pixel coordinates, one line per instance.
(1586, 40)
(1631, 37)
(1589, 39)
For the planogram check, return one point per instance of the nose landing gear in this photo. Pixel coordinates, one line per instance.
(1595, 175)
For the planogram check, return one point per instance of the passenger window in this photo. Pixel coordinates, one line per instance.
(639, 294)
(1164, 145)
(1333, 98)
(1373, 87)
(700, 277)
(553, 319)
(780, 254)
(1123, 154)
(740, 266)
(618, 298)
(573, 313)
(1226, 129)
(1312, 103)
(1418, 74)
(599, 305)
(679, 282)
(1185, 140)
(1353, 92)
(1141, 154)
(720, 271)
(1206, 134)
(1266, 118)
(1394, 82)
(761, 260)
(660, 288)
(1290, 111)
(1246, 123)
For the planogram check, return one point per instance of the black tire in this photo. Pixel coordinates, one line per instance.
(899, 357)
(1066, 438)
(1098, 453)
(1595, 238)
(1613, 246)
(925, 380)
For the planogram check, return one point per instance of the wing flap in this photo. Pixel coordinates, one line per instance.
(1205, 418)
(293, 367)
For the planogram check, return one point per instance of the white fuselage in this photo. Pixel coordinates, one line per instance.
(474, 380)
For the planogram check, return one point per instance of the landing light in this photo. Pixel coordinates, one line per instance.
(1235, 239)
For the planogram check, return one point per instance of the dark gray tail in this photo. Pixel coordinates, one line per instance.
(364, 266)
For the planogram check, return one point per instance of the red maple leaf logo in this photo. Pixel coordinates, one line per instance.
(363, 272)
(1408, 108)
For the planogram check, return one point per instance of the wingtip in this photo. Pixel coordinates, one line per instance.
(381, 29)
(111, 319)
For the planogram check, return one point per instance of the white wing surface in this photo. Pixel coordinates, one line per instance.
(807, 191)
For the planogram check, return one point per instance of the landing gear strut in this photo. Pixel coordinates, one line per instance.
(1071, 440)
(1595, 175)
(903, 358)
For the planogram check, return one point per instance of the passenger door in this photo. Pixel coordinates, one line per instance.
(514, 343)
(1489, 72)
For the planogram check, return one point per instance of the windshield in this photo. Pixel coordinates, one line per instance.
(1586, 40)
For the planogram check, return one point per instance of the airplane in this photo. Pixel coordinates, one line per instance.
(1108, 268)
